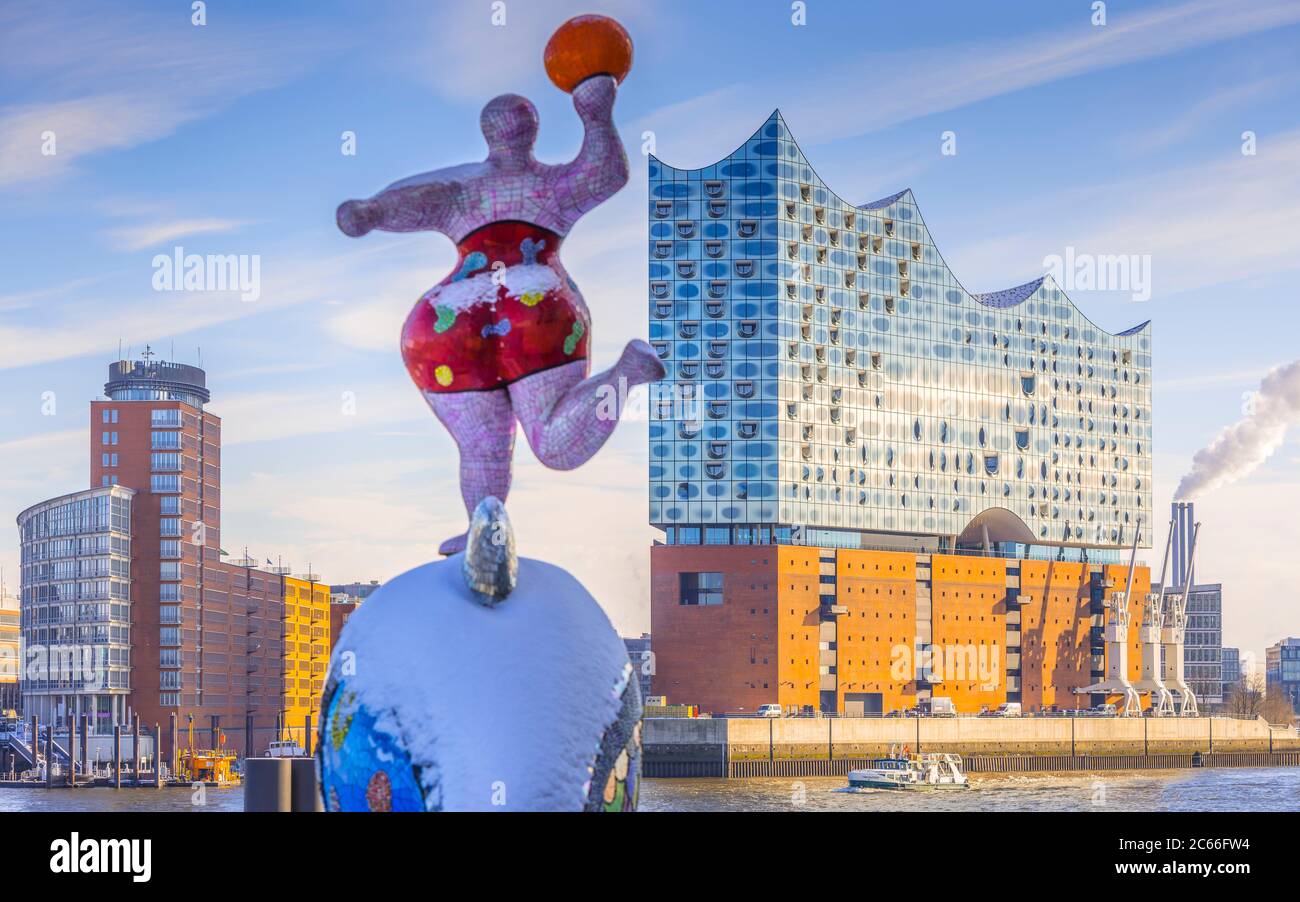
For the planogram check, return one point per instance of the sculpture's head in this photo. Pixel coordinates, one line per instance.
(509, 124)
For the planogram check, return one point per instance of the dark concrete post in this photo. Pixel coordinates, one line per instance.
(72, 751)
(248, 736)
(307, 736)
(157, 756)
(135, 749)
(268, 784)
(49, 757)
(117, 756)
(304, 793)
(171, 743)
(36, 742)
(85, 744)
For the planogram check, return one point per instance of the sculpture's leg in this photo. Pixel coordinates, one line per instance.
(483, 425)
(567, 418)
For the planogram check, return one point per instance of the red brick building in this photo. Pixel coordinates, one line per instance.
(207, 636)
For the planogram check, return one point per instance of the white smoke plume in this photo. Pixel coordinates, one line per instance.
(1250, 441)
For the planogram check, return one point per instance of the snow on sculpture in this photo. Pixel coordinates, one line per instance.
(489, 681)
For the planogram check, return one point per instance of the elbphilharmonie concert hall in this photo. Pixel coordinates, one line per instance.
(852, 452)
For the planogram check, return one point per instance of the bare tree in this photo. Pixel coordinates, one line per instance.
(1246, 699)
(1278, 710)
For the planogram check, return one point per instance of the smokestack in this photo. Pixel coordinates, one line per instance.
(1184, 522)
(1240, 448)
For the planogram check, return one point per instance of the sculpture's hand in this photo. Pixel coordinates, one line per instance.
(601, 167)
(357, 217)
(594, 98)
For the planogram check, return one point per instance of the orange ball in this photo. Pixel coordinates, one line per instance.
(585, 46)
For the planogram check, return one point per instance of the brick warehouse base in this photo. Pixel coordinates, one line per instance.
(861, 632)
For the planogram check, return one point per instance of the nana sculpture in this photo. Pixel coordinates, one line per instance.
(486, 681)
(506, 335)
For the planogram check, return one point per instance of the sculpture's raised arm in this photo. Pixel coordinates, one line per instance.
(600, 169)
(416, 204)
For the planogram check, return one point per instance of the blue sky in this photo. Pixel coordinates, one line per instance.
(225, 139)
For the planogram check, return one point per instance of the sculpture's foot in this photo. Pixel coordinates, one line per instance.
(639, 363)
(490, 564)
(454, 545)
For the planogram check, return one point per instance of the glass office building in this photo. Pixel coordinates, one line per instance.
(1282, 670)
(832, 383)
(1204, 643)
(76, 606)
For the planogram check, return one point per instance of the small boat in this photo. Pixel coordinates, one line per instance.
(915, 772)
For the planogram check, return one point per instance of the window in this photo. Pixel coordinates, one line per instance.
(700, 588)
(166, 417)
(162, 484)
(688, 535)
(717, 535)
(164, 461)
(109, 415)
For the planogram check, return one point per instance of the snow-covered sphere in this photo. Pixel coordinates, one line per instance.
(439, 702)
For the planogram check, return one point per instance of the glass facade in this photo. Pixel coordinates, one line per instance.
(1282, 670)
(76, 605)
(1204, 643)
(829, 375)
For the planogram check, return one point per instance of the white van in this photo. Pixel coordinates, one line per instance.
(1008, 709)
(942, 706)
(769, 711)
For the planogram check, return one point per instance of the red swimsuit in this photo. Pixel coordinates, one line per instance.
(509, 310)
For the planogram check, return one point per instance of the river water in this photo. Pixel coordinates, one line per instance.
(1223, 789)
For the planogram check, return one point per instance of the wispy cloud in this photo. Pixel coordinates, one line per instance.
(76, 326)
(1226, 99)
(121, 76)
(1181, 209)
(448, 52)
(831, 103)
(139, 237)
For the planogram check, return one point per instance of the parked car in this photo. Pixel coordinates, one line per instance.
(1008, 709)
(1106, 710)
(770, 711)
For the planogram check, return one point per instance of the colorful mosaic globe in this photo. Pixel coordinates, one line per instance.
(585, 46)
(437, 701)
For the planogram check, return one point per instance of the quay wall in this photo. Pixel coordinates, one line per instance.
(742, 746)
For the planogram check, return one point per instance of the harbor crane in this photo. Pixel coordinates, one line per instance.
(1118, 617)
(1153, 615)
(1173, 633)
